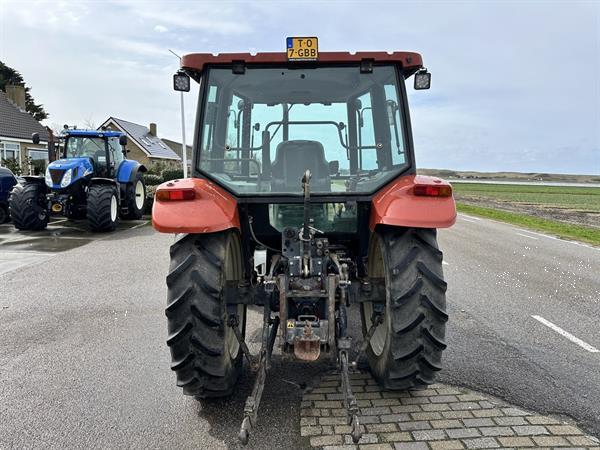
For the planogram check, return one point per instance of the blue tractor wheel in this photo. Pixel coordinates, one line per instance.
(27, 206)
(135, 198)
(103, 207)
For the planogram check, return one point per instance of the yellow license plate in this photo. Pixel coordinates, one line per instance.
(302, 48)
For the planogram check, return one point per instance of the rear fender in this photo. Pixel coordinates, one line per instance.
(100, 180)
(128, 170)
(35, 179)
(397, 205)
(108, 182)
(213, 209)
(39, 180)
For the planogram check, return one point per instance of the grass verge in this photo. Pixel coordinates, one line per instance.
(560, 229)
(581, 199)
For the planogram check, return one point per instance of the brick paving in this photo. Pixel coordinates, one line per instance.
(439, 418)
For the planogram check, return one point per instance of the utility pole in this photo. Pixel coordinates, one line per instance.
(183, 146)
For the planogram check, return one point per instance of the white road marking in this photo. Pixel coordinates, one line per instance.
(444, 262)
(566, 241)
(471, 217)
(566, 334)
(547, 236)
(139, 225)
(527, 236)
(468, 220)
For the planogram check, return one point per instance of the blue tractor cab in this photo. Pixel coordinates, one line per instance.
(92, 179)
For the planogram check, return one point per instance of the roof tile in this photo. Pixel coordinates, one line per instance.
(18, 124)
(154, 146)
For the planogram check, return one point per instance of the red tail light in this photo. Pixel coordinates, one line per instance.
(429, 190)
(169, 195)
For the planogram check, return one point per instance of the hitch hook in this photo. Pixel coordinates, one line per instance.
(350, 402)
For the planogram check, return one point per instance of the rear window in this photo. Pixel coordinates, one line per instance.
(262, 129)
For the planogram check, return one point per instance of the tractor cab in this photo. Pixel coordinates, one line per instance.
(263, 126)
(86, 154)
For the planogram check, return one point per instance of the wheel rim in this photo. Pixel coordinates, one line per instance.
(377, 270)
(139, 194)
(380, 335)
(232, 273)
(113, 208)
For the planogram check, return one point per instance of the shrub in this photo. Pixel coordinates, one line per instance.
(172, 174)
(150, 191)
(152, 180)
(13, 165)
(156, 167)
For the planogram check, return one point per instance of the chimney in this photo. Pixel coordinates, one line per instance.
(16, 94)
(153, 129)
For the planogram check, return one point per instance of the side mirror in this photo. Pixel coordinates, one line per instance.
(35, 138)
(123, 140)
(422, 80)
(334, 167)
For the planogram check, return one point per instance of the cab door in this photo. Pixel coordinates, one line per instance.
(115, 156)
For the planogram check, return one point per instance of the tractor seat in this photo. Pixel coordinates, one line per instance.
(292, 158)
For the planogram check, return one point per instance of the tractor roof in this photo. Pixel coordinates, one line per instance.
(410, 61)
(93, 133)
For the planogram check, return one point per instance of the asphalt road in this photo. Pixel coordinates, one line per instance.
(499, 277)
(83, 359)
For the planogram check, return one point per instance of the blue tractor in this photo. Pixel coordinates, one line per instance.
(93, 179)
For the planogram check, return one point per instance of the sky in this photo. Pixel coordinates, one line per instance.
(515, 84)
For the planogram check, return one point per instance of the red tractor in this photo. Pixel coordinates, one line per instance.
(304, 200)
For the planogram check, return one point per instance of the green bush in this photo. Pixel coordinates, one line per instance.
(150, 191)
(172, 174)
(13, 165)
(157, 167)
(152, 180)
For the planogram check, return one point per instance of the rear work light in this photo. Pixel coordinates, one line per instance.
(428, 190)
(169, 195)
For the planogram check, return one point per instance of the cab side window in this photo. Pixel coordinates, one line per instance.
(116, 150)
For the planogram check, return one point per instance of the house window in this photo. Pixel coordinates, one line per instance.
(9, 150)
(38, 159)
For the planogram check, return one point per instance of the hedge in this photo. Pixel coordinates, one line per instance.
(152, 180)
(172, 174)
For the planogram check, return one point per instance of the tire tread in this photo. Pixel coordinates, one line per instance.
(416, 290)
(196, 316)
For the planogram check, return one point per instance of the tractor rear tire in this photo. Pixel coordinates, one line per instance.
(205, 353)
(102, 207)
(3, 214)
(27, 206)
(136, 198)
(405, 351)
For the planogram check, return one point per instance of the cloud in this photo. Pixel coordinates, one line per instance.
(208, 17)
(514, 86)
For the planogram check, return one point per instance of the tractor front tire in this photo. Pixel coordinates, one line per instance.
(102, 207)
(205, 353)
(405, 351)
(27, 206)
(136, 198)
